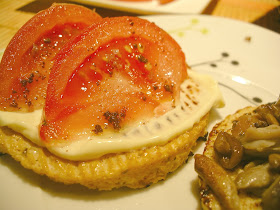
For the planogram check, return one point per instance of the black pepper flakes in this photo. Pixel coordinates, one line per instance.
(30, 78)
(114, 118)
(29, 103)
(123, 113)
(25, 90)
(14, 104)
(142, 59)
(47, 40)
(24, 82)
(168, 88)
(97, 129)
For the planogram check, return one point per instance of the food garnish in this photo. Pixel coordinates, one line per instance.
(246, 147)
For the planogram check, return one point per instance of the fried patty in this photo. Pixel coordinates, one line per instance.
(135, 169)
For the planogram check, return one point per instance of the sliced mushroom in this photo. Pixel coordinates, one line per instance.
(253, 164)
(276, 109)
(265, 133)
(274, 161)
(261, 148)
(270, 112)
(244, 122)
(229, 150)
(261, 142)
(271, 196)
(254, 177)
(221, 145)
(218, 180)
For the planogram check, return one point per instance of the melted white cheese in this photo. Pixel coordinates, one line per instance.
(24, 123)
(199, 93)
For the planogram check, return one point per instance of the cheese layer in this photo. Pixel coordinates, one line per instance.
(199, 93)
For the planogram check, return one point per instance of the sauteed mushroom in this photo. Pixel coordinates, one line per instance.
(232, 151)
(270, 112)
(269, 132)
(274, 161)
(255, 177)
(244, 122)
(219, 181)
(262, 142)
(271, 197)
(255, 142)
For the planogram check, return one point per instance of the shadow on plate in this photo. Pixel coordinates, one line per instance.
(74, 191)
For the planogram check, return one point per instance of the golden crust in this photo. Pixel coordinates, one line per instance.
(134, 169)
(208, 199)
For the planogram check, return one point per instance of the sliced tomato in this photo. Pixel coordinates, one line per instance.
(119, 71)
(27, 60)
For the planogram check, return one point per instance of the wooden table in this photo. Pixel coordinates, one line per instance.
(14, 13)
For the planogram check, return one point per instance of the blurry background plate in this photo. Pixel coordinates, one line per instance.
(152, 7)
(242, 57)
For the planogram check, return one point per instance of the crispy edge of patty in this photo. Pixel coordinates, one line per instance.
(135, 169)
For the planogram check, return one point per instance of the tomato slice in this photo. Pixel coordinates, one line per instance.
(119, 71)
(27, 61)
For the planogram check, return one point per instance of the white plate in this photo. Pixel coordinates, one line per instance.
(153, 7)
(244, 59)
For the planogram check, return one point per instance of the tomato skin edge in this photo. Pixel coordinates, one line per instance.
(88, 42)
(27, 35)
